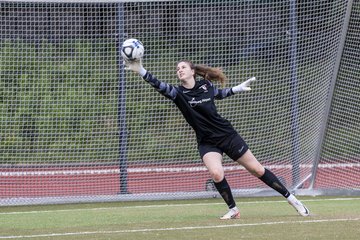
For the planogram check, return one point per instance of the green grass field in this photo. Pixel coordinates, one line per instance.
(262, 218)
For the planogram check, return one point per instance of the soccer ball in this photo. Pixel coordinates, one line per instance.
(132, 49)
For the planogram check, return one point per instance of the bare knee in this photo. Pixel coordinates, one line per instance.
(217, 175)
(251, 164)
(213, 162)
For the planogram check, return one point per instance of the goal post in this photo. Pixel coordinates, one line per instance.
(331, 90)
(76, 127)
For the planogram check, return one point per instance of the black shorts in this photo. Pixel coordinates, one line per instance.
(233, 146)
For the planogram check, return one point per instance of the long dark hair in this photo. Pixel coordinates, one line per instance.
(208, 73)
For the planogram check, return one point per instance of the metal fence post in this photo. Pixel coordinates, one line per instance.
(122, 106)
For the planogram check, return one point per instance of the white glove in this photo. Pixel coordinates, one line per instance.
(243, 86)
(135, 66)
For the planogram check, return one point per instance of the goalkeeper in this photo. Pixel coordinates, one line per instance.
(215, 135)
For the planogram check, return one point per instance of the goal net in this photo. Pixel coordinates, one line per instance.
(75, 126)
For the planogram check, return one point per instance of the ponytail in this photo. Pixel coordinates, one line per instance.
(211, 73)
(208, 73)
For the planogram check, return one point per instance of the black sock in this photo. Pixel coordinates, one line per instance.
(225, 191)
(272, 181)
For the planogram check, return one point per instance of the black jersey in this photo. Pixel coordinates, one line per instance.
(198, 107)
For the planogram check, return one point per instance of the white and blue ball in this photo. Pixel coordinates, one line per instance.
(132, 49)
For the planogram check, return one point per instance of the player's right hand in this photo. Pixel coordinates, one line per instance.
(135, 66)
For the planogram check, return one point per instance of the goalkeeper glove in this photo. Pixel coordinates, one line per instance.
(243, 86)
(135, 66)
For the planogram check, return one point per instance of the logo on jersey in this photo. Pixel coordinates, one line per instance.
(204, 87)
(194, 103)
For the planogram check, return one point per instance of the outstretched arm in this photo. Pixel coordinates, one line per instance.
(165, 89)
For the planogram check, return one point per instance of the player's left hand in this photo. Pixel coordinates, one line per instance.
(243, 86)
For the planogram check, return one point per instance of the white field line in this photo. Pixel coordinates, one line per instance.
(176, 229)
(168, 205)
(77, 172)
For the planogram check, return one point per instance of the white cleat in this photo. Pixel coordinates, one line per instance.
(300, 208)
(233, 213)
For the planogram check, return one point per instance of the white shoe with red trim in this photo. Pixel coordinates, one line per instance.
(233, 213)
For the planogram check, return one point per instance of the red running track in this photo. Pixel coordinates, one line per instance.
(81, 181)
